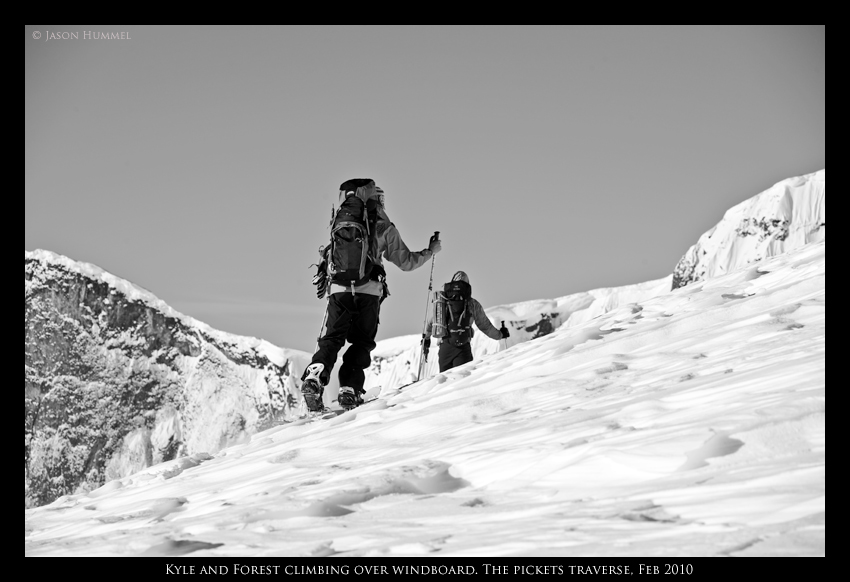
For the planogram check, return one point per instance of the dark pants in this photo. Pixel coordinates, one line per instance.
(352, 318)
(452, 355)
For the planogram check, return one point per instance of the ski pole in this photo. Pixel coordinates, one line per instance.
(423, 359)
(324, 321)
(327, 293)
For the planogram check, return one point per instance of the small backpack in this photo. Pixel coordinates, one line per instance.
(458, 312)
(353, 246)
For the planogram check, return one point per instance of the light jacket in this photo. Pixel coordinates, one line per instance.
(478, 316)
(389, 246)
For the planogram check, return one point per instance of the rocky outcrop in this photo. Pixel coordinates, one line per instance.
(115, 380)
(790, 214)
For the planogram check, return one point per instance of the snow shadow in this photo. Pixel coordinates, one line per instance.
(440, 481)
(178, 548)
(719, 445)
(408, 483)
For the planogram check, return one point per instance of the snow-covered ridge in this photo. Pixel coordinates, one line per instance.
(116, 380)
(202, 389)
(395, 361)
(788, 215)
(132, 292)
(689, 425)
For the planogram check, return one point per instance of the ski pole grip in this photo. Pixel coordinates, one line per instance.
(503, 323)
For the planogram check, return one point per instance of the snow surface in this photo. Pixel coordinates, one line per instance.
(689, 424)
(395, 361)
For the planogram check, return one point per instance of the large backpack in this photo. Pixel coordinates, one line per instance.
(458, 312)
(350, 254)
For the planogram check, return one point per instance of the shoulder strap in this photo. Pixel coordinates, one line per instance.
(466, 316)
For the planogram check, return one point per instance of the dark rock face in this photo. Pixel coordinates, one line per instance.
(685, 270)
(113, 384)
(544, 326)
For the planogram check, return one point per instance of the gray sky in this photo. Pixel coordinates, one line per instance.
(201, 162)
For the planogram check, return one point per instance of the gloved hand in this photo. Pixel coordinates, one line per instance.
(504, 331)
(434, 244)
(426, 346)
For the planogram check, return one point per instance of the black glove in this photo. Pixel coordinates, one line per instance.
(434, 244)
(504, 331)
(426, 346)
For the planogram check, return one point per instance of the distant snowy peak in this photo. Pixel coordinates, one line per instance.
(43, 267)
(790, 214)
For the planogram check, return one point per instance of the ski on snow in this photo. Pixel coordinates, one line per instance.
(334, 412)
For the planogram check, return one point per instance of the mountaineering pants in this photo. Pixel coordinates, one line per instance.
(452, 355)
(351, 317)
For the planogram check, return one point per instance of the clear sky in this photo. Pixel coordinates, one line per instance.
(201, 162)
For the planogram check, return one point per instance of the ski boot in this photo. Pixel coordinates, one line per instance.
(312, 388)
(350, 398)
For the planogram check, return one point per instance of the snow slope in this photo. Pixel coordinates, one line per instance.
(688, 424)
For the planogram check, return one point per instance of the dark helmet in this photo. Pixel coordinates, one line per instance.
(460, 276)
(355, 183)
(363, 188)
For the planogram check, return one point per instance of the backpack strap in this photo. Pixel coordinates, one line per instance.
(462, 313)
(462, 331)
